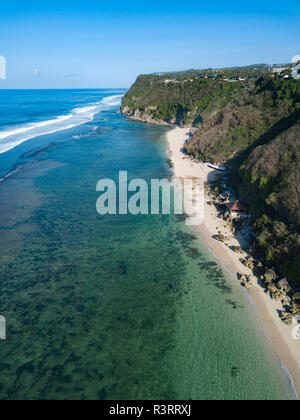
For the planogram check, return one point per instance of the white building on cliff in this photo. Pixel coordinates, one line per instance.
(296, 70)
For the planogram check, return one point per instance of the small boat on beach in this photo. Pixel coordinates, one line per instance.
(216, 167)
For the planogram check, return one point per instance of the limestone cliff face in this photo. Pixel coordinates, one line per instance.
(143, 116)
(185, 102)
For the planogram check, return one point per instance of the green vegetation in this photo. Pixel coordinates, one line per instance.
(255, 117)
(252, 125)
(269, 180)
(183, 98)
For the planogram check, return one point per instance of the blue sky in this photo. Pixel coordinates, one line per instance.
(94, 44)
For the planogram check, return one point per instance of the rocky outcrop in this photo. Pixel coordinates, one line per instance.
(143, 116)
(284, 285)
(296, 297)
(220, 238)
(249, 263)
(237, 250)
(246, 280)
(269, 276)
(279, 290)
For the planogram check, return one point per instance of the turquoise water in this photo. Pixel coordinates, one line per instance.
(115, 307)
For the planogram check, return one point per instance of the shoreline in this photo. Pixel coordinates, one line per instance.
(278, 334)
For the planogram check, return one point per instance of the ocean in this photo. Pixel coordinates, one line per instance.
(116, 306)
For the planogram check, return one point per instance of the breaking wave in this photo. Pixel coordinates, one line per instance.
(10, 139)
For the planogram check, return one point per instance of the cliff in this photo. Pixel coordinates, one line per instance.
(258, 137)
(248, 120)
(269, 181)
(184, 101)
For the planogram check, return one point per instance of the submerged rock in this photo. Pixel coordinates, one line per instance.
(181, 217)
(185, 237)
(192, 252)
(235, 372)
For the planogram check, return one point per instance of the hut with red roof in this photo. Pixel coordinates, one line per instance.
(237, 209)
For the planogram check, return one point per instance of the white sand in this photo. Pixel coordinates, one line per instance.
(280, 335)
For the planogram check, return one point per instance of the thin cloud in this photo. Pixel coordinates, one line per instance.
(71, 74)
(296, 58)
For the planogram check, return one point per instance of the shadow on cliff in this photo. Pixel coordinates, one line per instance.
(277, 129)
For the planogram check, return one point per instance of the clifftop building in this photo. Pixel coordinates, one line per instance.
(296, 70)
(279, 69)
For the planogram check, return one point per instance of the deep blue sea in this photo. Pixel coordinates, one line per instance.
(117, 306)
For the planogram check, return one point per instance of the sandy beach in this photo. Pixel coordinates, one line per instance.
(280, 335)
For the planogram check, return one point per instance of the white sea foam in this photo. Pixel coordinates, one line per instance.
(10, 139)
(287, 373)
(10, 174)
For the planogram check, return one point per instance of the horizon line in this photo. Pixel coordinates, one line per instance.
(112, 88)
